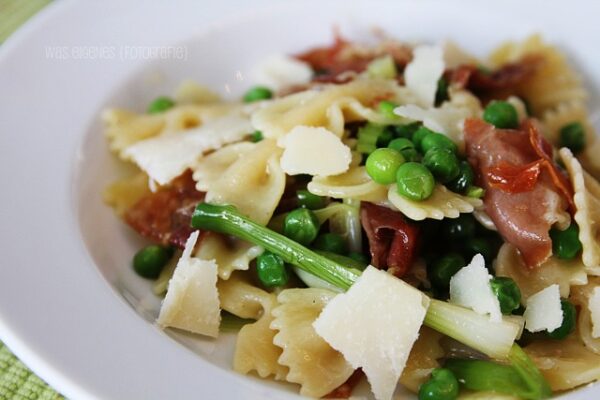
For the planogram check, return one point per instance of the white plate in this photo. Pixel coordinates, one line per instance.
(70, 306)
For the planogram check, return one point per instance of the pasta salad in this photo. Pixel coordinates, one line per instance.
(404, 213)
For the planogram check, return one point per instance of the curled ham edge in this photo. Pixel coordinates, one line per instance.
(504, 180)
(393, 239)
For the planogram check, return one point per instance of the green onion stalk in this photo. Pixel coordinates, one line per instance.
(495, 339)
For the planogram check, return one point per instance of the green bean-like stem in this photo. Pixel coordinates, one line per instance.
(519, 378)
(226, 219)
(492, 338)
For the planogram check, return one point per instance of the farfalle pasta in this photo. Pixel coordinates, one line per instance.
(396, 214)
(318, 368)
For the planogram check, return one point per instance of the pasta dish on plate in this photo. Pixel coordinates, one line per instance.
(401, 213)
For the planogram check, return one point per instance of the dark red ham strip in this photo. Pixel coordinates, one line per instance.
(525, 190)
(393, 240)
(331, 61)
(164, 216)
(494, 84)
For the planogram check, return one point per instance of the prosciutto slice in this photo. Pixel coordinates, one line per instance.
(164, 216)
(494, 84)
(393, 240)
(344, 56)
(526, 193)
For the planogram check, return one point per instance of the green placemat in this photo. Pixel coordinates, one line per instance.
(14, 12)
(17, 382)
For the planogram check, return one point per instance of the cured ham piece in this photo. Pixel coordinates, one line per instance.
(526, 193)
(344, 56)
(494, 84)
(164, 216)
(393, 240)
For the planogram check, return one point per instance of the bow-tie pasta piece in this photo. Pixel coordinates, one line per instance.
(330, 108)
(587, 216)
(553, 81)
(230, 254)
(443, 203)
(355, 184)
(564, 273)
(313, 364)
(254, 349)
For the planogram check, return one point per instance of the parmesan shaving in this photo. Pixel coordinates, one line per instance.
(314, 151)
(167, 156)
(470, 287)
(544, 311)
(192, 300)
(423, 72)
(374, 325)
(280, 71)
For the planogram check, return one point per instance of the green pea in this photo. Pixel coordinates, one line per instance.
(442, 163)
(572, 136)
(437, 141)
(387, 107)
(308, 200)
(507, 292)
(331, 242)
(568, 323)
(384, 138)
(360, 257)
(441, 93)
(256, 137)
(442, 385)
(411, 155)
(382, 165)
(566, 244)
(271, 270)
(257, 93)
(464, 180)
(458, 229)
(400, 144)
(501, 114)
(406, 131)
(479, 245)
(301, 225)
(444, 268)
(414, 181)
(149, 261)
(406, 148)
(160, 104)
(419, 135)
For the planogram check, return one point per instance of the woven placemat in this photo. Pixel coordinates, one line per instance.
(17, 382)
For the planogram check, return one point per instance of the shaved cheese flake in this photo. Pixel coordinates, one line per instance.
(167, 156)
(280, 71)
(314, 151)
(594, 307)
(192, 300)
(544, 311)
(374, 325)
(423, 72)
(470, 287)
